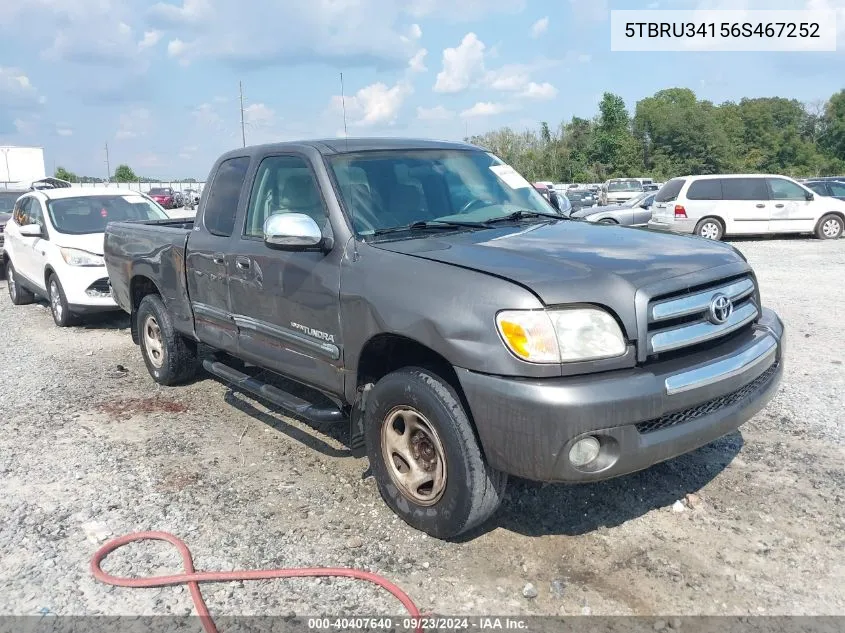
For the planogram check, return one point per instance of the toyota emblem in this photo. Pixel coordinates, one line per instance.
(721, 308)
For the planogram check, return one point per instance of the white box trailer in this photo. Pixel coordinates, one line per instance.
(21, 165)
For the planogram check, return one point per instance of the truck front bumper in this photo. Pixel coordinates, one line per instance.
(640, 416)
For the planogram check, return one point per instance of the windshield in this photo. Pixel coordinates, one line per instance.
(7, 201)
(625, 185)
(90, 214)
(160, 192)
(384, 190)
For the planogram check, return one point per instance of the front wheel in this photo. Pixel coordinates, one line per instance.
(608, 221)
(18, 294)
(59, 307)
(830, 227)
(424, 455)
(170, 358)
(710, 229)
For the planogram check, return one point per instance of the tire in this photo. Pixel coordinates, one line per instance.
(608, 221)
(830, 227)
(710, 229)
(170, 358)
(59, 307)
(19, 295)
(466, 492)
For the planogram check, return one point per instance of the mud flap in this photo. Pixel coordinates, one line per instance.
(357, 417)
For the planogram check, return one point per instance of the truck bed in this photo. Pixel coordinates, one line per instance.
(153, 252)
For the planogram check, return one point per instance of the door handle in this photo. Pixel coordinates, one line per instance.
(779, 206)
(761, 206)
(218, 258)
(242, 263)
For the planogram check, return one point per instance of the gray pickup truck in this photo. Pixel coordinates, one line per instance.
(425, 292)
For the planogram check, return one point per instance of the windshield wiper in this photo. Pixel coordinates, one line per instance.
(526, 213)
(428, 224)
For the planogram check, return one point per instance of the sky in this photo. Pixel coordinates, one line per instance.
(158, 81)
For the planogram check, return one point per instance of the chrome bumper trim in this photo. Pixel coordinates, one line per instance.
(762, 352)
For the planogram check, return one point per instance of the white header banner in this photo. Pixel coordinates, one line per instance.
(734, 31)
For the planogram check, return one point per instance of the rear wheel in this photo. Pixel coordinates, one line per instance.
(18, 294)
(62, 315)
(830, 227)
(169, 356)
(710, 229)
(425, 457)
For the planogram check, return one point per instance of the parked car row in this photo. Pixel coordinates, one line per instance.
(433, 300)
(745, 204)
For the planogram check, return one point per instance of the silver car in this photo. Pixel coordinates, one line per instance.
(634, 212)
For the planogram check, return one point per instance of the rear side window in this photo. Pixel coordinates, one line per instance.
(744, 189)
(819, 187)
(705, 189)
(221, 206)
(670, 190)
(837, 188)
(785, 190)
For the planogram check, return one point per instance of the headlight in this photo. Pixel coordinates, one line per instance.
(76, 257)
(561, 336)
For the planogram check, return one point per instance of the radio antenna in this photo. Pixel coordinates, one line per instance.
(350, 202)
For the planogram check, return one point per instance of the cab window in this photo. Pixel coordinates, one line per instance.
(283, 184)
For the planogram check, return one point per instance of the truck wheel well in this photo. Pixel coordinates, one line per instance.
(139, 288)
(386, 353)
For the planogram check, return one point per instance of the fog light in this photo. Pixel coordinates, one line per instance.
(584, 451)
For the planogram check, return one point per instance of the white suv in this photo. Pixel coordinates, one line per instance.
(744, 204)
(54, 247)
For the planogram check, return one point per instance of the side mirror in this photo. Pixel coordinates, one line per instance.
(809, 196)
(293, 232)
(31, 230)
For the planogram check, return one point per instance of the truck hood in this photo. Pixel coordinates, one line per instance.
(572, 262)
(91, 242)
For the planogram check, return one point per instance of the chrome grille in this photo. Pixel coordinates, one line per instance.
(711, 406)
(683, 321)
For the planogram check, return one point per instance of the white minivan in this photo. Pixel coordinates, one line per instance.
(744, 204)
(54, 247)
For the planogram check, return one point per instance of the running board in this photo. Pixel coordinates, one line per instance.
(287, 401)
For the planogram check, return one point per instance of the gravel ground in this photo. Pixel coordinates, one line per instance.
(89, 450)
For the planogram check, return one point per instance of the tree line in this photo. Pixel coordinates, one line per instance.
(122, 173)
(673, 133)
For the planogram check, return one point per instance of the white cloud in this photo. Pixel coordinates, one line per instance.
(462, 10)
(540, 27)
(206, 116)
(187, 152)
(540, 92)
(16, 90)
(150, 39)
(259, 115)
(590, 10)
(461, 65)
(191, 12)
(270, 32)
(375, 104)
(437, 113)
(175, 47)
(509, 78)
(584, 58)
(133, 124)
(486, 108)
(64, 130)
(417, 63)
